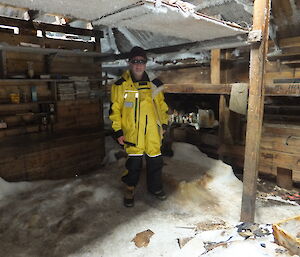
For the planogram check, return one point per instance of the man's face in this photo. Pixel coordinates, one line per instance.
(137, 65)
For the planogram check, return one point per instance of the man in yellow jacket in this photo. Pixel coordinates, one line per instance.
(139, 116)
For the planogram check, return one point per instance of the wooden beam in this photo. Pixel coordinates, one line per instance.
(286, 89)
(197, 88)
(261, 17)
(285, 57)
(29, 25)
(221, 43)
(289, 42)
(47, 51)
(268, 157)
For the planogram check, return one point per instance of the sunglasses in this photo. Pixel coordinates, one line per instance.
(138, 61)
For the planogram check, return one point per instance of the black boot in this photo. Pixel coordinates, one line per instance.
(154, 176)
(129, 196)
(161, 195)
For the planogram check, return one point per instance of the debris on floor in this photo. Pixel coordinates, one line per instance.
(287, 234)
(142, 239)
(85, 216)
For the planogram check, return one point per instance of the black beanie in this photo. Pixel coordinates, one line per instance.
(137, 51)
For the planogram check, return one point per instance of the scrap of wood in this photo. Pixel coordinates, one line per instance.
(210, 225)
(183, 241)
(142, 239)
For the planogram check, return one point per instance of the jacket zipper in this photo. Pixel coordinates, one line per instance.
(146, 124)
(137, 109)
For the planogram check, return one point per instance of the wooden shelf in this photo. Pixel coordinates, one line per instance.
(51, 51)
(28, 104)
(282, 89)
(46, 80)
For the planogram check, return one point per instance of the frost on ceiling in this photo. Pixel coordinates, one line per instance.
(88, 10)
(171, 20)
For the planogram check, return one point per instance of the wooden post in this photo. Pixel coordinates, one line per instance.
(261, 16)
(215, 78)
(215, 66)
(3, 65)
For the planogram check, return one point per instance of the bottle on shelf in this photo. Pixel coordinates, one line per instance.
(30, 70)
(33, 94)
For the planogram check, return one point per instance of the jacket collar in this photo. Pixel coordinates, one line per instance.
(127, 75)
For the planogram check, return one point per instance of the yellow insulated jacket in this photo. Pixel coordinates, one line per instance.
(138, 112)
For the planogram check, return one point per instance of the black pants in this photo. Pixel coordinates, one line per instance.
(154, 172)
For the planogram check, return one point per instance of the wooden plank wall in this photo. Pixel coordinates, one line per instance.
(76, 143)
(272, 156)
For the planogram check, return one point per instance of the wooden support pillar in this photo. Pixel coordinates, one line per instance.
(261, 16)
(3, 65)
(97, 42)
(215, 66)
(215, 78)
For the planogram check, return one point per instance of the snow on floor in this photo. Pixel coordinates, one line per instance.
(7, 189)
(84, 216)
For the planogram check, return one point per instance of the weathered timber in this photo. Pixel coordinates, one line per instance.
(261, 16)
(286, 89)
(46, 51)
(41, 156)
(289, 42)
(29, 25)
(221, 43)
(284, 57)
(269, 160)
(281, 129)
(3, 65)
(286, 144)
(196, 88)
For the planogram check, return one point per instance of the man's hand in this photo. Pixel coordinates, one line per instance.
(121, 140)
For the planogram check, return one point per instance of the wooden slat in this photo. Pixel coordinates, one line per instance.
(198, 75)
(286, 144)
(286, 89)
(18, 131)
(261, 16)
(196, 88)
(29, 25)
(289, 42)
(15, 40)
(268, 158)
(281, 129)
